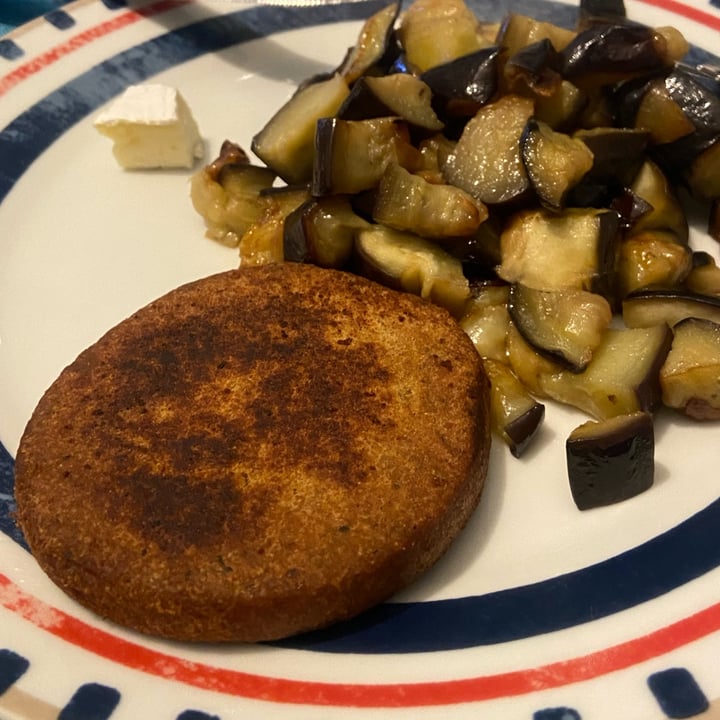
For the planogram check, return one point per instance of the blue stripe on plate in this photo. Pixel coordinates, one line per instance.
(196, 715)
(30, 134)
(645, 572)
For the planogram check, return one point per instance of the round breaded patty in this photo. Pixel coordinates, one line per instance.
(255, 454)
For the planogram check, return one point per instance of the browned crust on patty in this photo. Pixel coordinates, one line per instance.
(255, 454)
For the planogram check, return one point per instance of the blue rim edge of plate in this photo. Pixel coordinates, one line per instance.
(647, 571)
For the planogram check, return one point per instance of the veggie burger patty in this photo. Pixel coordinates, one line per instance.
(258, 453)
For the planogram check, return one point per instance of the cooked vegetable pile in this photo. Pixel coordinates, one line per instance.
(531, 179)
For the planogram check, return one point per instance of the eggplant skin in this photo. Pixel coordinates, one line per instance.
(612, 460)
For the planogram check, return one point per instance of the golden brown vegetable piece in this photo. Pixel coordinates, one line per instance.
(690, 377)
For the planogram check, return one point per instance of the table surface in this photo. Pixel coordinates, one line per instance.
(17, 12)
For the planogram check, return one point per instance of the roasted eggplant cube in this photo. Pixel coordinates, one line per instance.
(704, 277)
(650, 258)
(413, 264)
(351, 155)
(322, 232)
(226, 193)
(485, 319)
(408, 202)
(617, 156)
(462, 86)
(601, 12)
(534, 69)
(549, 251)
(487, 162)
(515, 414)
(690, 377)
(518, 31)
(286, 143)
(398, 95)
(554, 162)
(622, 378)
(653, 306)
(612, 460)
(564, 325)
(434, 32)
(375, 46)
(602, 54)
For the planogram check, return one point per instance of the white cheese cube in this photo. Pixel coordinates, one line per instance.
(151, 126)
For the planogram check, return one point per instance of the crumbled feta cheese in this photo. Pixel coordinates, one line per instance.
(151, 126)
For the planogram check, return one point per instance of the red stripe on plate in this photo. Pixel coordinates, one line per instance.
(36, 64)
(687, 11)
(284, 690)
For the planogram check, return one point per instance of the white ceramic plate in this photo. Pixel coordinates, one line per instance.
(538, 611)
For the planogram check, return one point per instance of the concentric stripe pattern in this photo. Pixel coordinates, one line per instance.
(675, 689)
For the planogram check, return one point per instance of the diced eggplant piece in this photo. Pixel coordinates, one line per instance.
(351, 155)
(515, 415)
(529, 365)
(648, 259)
(618, 155)
(554, 162)
(485, 320)
(374, 45)
(262, 242)
(601, 12)
(486, 161)
(562, 109)
(699, 102)
(322, 232)
(667, 214)
(690, 377)
(519, 31)
(565, 325)
(704, 277)
(547, 251)
(400, 95)
(703, 177)
(434, 152)
(462, 86)
(479, 252)
(408, 262)
(534, 69)
(226, 193)
(660, 115)
(404, 201)
(433, 32)
(612, 460)
(286, 143)
(622, 378)
(648, 307)
(603, 54)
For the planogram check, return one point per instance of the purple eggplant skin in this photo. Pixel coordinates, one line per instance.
(609, 49)
(538, 66)
(462, 86)
(698, 101)
(651, 306)
(362, 104)
(618, 154)
(611, 461)
(601, 12)
(521, 431)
